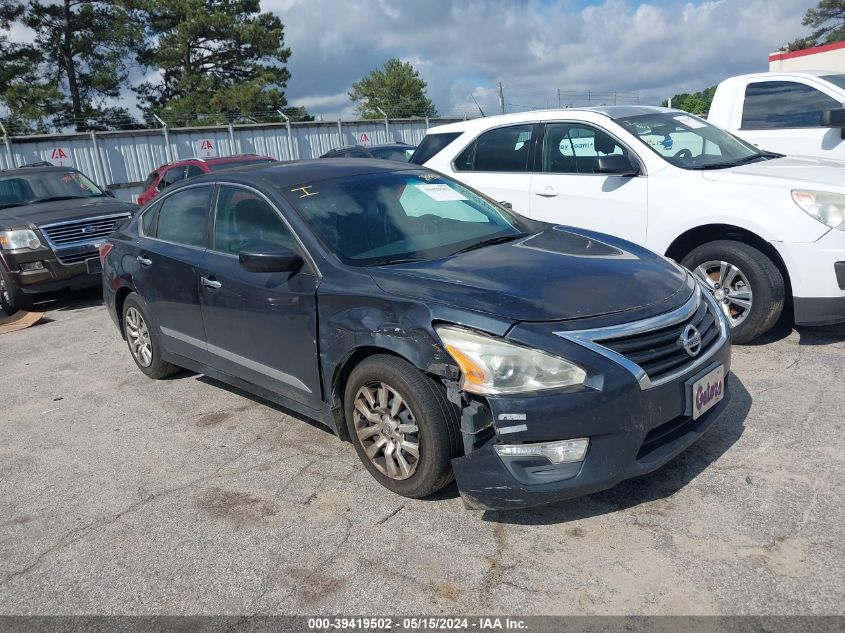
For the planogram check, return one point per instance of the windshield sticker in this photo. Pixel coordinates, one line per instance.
(305, 193)
(428, 177)
(689, 122)
(440, 193)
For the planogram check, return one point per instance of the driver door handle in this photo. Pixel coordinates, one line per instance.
(144, 261)
(210, 283)
(547, 192)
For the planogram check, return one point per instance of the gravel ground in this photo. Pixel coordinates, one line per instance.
(123, 495)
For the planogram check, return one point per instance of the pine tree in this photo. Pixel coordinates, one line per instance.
(214, 57)
(396, 88)
(84, 47)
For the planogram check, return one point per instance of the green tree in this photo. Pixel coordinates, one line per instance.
(827, 20)
(85, 48)
(220, 59)
(30, 102)
(695, 103)
(396, 88)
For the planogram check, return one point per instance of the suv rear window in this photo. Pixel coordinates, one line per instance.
(431, 145)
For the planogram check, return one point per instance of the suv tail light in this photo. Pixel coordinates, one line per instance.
(105, 249)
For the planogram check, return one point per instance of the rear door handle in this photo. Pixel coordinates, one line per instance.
(547, 192)
(210, 283)
(144, 261)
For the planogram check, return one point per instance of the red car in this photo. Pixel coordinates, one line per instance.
(171, 173)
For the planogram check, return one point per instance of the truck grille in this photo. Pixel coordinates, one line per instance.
(659, 352)
(76, 258)
(77, 231)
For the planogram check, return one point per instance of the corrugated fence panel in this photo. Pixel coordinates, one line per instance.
(123, 160)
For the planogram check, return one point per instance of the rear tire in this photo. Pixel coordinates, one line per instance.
(143, 339)
(406, 412)
(746, 283)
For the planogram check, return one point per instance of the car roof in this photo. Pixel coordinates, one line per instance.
(532, 116)
(19, 171)
(282, 174)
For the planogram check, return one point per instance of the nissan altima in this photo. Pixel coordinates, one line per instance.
(442, 335)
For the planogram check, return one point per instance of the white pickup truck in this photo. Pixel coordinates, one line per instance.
(793, 113)
(762, 231)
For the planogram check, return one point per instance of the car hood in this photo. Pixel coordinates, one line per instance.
(62, 210)
(557, 274)
(786, 172)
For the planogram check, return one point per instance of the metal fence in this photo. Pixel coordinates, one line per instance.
(121, 160)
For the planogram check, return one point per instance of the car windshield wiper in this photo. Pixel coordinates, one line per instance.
(490, 241)
(9, 205)
(55, 198)
(739, 161)
(398, 260)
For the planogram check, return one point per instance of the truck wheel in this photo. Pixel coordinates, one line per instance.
(745, 282)
(404, 430)
(10, 299)
(142, 338)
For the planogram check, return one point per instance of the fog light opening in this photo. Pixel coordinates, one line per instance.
(32, 266)
(562, 452)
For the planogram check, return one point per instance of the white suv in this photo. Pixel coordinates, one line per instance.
(755, 226)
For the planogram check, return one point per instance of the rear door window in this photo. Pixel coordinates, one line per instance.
(504, 149)
(772, 105)
(171, 176)
(182, 217)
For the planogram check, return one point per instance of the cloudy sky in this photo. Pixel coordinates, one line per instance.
(463, 48)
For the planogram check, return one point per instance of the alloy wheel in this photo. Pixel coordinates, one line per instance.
(730, 287)
(138, 336)
(387, 430)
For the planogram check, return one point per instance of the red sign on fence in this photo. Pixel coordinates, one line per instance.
(207, 148)
(61, 156)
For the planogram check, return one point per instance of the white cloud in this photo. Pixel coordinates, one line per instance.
(464, 47)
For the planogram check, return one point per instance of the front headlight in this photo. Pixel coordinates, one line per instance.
(25, 238)
(493, 366)
(827, 208)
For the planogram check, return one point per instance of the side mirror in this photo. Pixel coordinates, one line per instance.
(615, 165)
(833, 118)
(271, 259)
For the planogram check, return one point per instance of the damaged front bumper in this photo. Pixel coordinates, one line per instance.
(631, 431)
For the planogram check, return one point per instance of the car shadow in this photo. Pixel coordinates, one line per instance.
(299, 417)
(821, 335)
(661, 484)
(71, 300)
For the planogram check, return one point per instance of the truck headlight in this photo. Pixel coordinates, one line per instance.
(827, 208)
(493, 366)
(11, 240)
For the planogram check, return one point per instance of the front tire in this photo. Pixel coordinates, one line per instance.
(10, 296)
(745, 282)
(143, 340)
(403, 428)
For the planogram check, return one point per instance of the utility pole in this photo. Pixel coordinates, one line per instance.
(558, 98)
(501, 98)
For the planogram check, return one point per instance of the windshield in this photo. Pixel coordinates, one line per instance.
(41, 186)
(391, 217)
(689, 142)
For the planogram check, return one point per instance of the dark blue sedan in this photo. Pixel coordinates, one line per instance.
(440, 333)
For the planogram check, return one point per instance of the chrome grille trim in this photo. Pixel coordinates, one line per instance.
(73, 232)
(593, 338)
(71, 244)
